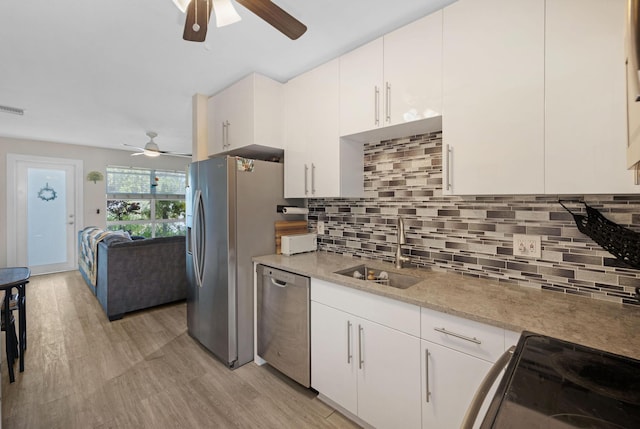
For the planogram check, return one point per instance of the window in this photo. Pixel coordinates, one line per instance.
(148, 203)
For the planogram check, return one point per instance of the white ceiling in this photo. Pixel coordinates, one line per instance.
(102, 73)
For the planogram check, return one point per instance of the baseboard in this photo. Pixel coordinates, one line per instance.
(348, 414)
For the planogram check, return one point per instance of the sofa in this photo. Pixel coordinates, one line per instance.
(128, 274)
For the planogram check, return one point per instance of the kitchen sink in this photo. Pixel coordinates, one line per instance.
(383, 277)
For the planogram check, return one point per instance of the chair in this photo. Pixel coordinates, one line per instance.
(10, 278)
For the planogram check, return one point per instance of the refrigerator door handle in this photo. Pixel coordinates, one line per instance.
(195, 233)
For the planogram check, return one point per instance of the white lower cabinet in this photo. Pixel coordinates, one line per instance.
(450, 379)
(396, 365)
(388, 392)
(333, 365)
(457, 353)
(367, 368)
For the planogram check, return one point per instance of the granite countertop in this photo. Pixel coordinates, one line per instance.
(603, 325)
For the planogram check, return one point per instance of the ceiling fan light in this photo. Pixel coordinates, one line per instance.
(151, 153)
(182, 4)
(225, 13)
(151, 148)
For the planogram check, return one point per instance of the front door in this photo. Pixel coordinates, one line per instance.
(43, 212)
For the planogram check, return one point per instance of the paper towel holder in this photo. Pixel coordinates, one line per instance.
(297, 210)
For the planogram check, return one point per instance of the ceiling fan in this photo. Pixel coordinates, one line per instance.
(151, 148)
(199, 11)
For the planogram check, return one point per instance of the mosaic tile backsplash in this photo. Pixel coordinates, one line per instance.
(473, 235)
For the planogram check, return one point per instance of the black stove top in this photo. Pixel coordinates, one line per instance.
(554, 384)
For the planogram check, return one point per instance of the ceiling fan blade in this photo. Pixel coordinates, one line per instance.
(197, 21)
(277, 17)
(137, 153)
(181, 155)
(184, 155)
(135, 147)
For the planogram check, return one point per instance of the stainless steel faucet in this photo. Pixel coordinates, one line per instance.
(401, 240)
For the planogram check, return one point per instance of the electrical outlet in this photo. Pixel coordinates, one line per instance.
(320, 227)
(527, 245)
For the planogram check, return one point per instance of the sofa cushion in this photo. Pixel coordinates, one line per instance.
(119, 242)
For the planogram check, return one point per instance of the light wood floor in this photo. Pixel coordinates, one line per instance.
(144, 371)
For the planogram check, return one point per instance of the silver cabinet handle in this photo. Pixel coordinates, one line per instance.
(349, 356)
(360, 358)
(224, 135)
(376, 105)
(388, 102)
(426, 365)
(448, 153)
(313, 178)
(462, 337)
(483, 390)
(306, 170)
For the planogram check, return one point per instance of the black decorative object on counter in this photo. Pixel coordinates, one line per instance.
(621, 242)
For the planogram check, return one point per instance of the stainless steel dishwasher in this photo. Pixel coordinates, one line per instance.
(283, 322)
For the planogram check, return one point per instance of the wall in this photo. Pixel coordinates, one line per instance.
(92, 158)
(473, 235)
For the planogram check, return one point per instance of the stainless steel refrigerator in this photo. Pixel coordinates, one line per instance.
(231, 209)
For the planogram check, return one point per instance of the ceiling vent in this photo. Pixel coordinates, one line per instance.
(13, 110)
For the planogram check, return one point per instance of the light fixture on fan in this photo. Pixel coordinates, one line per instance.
(225, 12)
(151, 148)
(199, 11)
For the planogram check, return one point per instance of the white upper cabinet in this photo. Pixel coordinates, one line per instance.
(585, 105)
(413, 70)
(317, 163)
(394, 80)
(249, 112)
(493, 97)
(534, 97)
(632, 93)
(361, 89)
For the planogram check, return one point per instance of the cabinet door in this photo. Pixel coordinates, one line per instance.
(297, 135)
(324, 125)
(333, 358)
(449, 381)
(215, 127)
(493, 97)
(231, 117)
(312, 166)
(361, 89)
(238, 113)
(413, 70)
(585, 116)
(388, 380)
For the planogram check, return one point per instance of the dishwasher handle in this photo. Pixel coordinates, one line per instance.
(478, 399)
(278, 283)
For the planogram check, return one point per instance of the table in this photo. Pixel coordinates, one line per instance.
(15, 277)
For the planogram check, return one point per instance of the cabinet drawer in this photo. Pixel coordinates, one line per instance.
(385, 311)
(474, 338)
